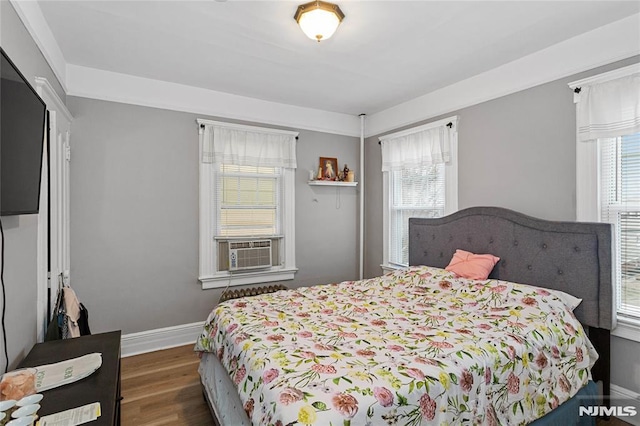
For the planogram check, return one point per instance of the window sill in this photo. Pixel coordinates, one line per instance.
(627, 328)
(227, 279)
(386, 268)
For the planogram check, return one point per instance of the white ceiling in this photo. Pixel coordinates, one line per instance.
(383, 54)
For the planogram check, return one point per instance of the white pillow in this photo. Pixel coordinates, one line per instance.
(570, 301)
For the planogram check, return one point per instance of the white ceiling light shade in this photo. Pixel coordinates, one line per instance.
(319, 19)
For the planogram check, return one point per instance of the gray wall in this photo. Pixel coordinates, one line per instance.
(134, 216)
(21, 231)
(23, 51)
(517, 152)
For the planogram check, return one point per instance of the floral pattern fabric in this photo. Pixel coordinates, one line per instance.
(413, 347)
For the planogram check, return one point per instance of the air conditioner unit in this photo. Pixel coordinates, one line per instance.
(253, 254)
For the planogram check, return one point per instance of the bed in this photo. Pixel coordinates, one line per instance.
(422, 346)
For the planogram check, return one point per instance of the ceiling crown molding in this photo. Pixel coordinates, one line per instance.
(110, 86)
(34, 21)
(613, 42)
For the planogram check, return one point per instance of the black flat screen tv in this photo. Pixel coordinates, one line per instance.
(22, 125)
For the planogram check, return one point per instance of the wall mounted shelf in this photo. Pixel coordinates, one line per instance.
(331, 183)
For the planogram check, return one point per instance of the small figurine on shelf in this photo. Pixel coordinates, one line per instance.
(319, 177)
(345, 172)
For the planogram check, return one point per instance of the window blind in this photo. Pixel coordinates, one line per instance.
(414, 192)
(620, 205)
(248, 200)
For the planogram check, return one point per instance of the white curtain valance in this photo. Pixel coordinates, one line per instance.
(247, 147)
(421, 148)
(609, 109)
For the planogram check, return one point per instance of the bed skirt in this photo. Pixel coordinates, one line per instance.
(568, 413)
(221, 393)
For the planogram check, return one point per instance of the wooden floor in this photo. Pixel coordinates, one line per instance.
(163, 388)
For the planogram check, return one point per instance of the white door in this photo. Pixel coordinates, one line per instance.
(53, 223)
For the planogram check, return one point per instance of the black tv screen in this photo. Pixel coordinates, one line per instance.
(22, 124)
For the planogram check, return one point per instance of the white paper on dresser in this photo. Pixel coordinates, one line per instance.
(50, 376)
(76, 416)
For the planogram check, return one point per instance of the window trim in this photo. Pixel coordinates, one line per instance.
(588, 189)
(627, 328)
(588, 210)
(587, 153)
(451, 188)
(208, 275)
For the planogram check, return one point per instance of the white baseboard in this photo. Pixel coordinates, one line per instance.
(160, 338)
(620, 392)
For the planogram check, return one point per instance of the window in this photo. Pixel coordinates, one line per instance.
(608, 176)
(414, 192)
(420, 180)
(246, 202)
(620, 205)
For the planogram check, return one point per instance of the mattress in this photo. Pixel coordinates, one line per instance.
(412, 346)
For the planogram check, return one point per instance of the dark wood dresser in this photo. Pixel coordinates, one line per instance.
(102, 386)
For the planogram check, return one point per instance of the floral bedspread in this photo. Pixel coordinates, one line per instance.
(413, 347)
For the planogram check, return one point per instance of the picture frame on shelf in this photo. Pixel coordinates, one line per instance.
(329, 167)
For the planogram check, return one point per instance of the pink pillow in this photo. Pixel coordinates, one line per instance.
(475, 266)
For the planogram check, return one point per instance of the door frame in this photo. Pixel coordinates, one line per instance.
(53, 250)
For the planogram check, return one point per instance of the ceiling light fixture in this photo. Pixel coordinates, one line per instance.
(319, 19)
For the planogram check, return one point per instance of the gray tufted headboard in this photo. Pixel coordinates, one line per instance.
(570, 256)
